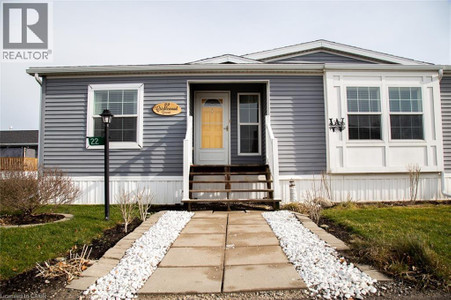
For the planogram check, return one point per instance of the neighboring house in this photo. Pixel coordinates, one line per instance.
(19, 149)
(270, 108)
(19, 143)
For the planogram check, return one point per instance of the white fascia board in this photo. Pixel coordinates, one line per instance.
(221, 68)
(289, 50)
(227, 58)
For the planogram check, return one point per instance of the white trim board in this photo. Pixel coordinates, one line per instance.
(139, 87)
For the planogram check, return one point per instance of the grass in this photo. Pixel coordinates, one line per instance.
(21, 248)
(411, 241)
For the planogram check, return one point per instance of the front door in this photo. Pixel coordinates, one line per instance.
(211, 128)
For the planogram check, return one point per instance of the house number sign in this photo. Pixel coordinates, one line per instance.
(167, 109)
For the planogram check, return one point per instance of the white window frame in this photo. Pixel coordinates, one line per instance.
(379, 113)
(239, 123)
(399, 113)
(139, 122)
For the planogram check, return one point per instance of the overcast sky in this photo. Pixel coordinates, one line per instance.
(147, 32)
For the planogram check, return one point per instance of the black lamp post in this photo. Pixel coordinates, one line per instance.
(107, 116)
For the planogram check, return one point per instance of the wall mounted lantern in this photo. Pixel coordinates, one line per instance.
(337, 124)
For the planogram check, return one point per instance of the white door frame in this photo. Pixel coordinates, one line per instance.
(226, 124)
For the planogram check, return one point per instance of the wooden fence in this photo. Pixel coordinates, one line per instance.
(18, 164)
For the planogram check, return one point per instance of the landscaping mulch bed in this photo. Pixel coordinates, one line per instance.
(29, 219)
(28, 286)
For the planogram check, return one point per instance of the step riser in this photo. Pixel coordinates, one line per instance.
(233, 183)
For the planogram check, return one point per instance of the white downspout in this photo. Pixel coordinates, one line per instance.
(443, 183)
(36, 76)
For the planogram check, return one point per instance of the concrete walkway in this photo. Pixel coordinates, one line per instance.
(217, 252)
(224, 252)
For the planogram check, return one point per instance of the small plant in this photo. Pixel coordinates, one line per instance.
(127, 207)
(23, 192)
(414, 179)
(313, 204)
(69, 268)
(144, 198)
(296, 207)
(326, 186)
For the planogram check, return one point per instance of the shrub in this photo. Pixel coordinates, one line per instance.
(144, 198)
(127, 205)
(414, 179)
(24, 192)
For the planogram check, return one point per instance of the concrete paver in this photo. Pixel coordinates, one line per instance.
(209, 215)
(81, 283)
(252, 239)
(246, 218)
(209, 221)
(184, 280)
(115, 253)
(261, 277)
(255, 255)
(204, 228)
(193, 257)
(200, 240)
(249, 228)
(98, 270)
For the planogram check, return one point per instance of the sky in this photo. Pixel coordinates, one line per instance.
(154, 32)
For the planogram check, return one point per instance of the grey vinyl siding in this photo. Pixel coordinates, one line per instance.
(65, 129)
(298, 121)
(322, 57)
(297, 109)
(445, 91)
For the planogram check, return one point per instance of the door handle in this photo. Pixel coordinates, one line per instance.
(226, 128)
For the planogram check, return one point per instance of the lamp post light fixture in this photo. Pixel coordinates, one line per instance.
(107, 117)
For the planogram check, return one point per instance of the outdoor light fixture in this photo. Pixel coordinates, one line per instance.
(337, 124)
(107, 117)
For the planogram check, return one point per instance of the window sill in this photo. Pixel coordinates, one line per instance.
(249, 154)
(117, 145)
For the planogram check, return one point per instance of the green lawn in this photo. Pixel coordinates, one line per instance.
(21, 248)
(399, 237)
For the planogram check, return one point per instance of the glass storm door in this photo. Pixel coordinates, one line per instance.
(211, 115)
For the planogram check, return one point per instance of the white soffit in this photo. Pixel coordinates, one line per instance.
(226, 58)
(289, 51)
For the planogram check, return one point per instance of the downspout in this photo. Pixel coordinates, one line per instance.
(41, 125)
(36, 76)
(443, 183)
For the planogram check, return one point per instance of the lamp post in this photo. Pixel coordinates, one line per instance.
(107, 116)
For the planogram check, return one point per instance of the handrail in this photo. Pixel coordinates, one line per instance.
(187, 156)
(272, 156)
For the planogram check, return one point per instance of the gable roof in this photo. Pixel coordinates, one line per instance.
(226, 58)
(19, 137)
(304, 48)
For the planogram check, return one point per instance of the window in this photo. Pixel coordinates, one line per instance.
(125, 102)
(249, 124)
(406, 113)
(364, 113)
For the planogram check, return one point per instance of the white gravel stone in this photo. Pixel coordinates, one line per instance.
(141, 260)
(325, 273)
